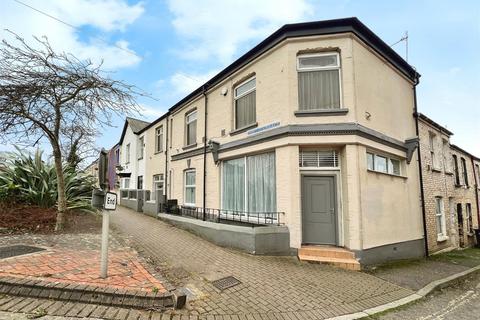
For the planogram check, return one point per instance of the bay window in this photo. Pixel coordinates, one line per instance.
(248, 184)
(245, 96)
(319, 81)
(384, 164)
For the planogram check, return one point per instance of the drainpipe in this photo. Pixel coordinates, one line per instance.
(422, 194)
(205, 99)
(166, 181)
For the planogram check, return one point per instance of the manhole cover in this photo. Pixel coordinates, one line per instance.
(18, 250)
(225, 283)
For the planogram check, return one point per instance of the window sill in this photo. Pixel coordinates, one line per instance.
(190, 146)
(387, 174)
(321, 112)
(140, 158)
(243, 129)
(158, 152)
(442, 238)
(470, 234)
(449, 173)
(436, 170)
(189, 205)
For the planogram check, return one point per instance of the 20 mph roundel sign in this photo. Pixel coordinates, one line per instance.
(110, 201)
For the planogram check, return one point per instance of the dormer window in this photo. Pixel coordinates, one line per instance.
(319, 81)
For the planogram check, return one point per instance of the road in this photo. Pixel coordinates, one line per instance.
(458, 302)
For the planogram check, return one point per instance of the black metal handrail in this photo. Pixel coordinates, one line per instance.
(225, 216)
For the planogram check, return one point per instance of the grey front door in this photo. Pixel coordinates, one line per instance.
(319, 211)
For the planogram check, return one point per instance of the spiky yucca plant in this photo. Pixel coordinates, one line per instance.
(31, 180)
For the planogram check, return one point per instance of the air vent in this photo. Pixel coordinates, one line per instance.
(318, 159)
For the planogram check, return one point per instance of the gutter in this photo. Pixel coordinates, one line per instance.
(204, 93)
(422, 193)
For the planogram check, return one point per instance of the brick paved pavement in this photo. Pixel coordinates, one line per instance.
(274, 287)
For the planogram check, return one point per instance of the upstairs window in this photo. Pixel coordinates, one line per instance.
(140, 182)
(477, 167)
(245, 104)
(434, 159)
(464, 172)
(319, 81)
(447, 159)
(468, 208)
(117, 155)
(127, 154)
(191, 128)
(455, 168)
(141, 147)
(159, 139)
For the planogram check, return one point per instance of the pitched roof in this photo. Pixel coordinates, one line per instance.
(295, 30)
(136, 125)
(434, 124)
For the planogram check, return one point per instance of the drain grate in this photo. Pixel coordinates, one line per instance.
(17, 250)
(225, 283)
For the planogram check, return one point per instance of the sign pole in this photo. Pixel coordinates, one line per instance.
(104, 252)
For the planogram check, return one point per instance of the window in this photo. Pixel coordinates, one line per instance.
(383, 164)
(127, 154)
(440, 218)
(245, 103)
(318, 158)
(159, 139)
(189, 188)
(319, 81)
(248, 184)
(117, 155)
(126, 183)
(464, 172)
(140, 182)
(191, 128)
(434, 160)
(455, 168)
(157, 185)
(468, 208)
(141, 147)
(477, 167)
(447, 159)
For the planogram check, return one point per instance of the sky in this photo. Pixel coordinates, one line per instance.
(169, 48)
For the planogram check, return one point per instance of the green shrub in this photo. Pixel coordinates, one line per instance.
(31, 180)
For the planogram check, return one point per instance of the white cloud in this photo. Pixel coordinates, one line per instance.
(183, 83)
(106, 16)
(216, 29)
(151, 113)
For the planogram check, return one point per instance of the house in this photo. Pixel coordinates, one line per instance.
(450, 188)
(131, 168)
(113, 157)
(313, 129)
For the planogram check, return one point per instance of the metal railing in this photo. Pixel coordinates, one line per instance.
(226, 216)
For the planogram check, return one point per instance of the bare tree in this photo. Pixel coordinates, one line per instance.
(78, 144)
(45, 95)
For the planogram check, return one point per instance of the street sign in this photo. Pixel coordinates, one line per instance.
(110, 201)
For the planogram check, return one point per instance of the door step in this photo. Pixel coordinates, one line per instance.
(335, 256)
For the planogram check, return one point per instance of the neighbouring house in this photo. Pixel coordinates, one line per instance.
(113, 156)
(450, 188)
(131, 168)
(312, 129)
(92, 170)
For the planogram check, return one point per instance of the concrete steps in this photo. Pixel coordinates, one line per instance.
(336, 256)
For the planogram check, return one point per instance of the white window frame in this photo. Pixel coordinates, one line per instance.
(159, 139)
(468, 215)
(187, 123)
(389, 166)
(185, 186)
(447, 157)
(141, 149)
(337, 67)
(124, 183)
(440, 214)
(127, 153)
(235, 98)
(432, 145)
(155, 183)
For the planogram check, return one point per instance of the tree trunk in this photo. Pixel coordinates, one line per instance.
(61, 201)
